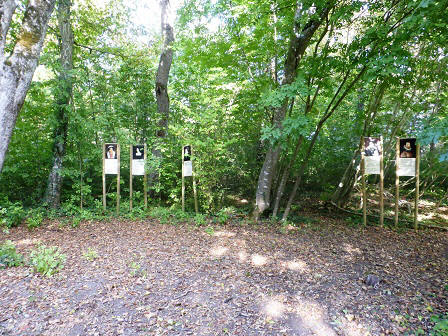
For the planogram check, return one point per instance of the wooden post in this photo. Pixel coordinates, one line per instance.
(363, 181)
(397, 180)
(118, 179)
(417, 184)
(130, 178)
(196, 207)
(145, 178)
(183, 182)
(381, 184)
(104, 177)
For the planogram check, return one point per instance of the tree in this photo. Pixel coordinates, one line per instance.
(18, 67)
(64, 94)
(163, 71)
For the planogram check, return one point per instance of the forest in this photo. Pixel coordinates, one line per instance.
(277, 101)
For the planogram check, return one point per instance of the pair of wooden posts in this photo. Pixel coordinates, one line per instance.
(407, 164)
(111, 166)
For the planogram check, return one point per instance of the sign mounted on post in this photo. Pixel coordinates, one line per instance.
(137, 168)
(138, 161)
(111, 159)
(408, 157)
(372, 155)
(188, 165)
(187, 170)
(111, 166)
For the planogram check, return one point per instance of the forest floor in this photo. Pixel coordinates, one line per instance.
(238, 279)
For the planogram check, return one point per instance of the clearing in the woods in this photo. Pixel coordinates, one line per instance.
(146, 278)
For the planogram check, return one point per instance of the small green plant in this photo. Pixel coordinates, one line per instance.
(440, 326)
(90, 254)
(11, 214)
(35, 218)
(223, 215)
(8, 255)
(47, 260)
(137, 270)
(210, 230)
(162, 214)
(200, 219)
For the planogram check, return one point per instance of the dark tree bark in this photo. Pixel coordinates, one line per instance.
(17, 69)
(299, 42)
(163, 71)
(64, 94)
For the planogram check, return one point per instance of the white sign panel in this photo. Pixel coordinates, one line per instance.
(138, 167)
(138, 163)
(188, 168)
(406, 167)
(372, 165)
(111, 161)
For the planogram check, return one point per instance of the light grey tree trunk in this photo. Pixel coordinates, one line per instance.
(163, 71)
(63, 97)
(299, 42)
(17, 69)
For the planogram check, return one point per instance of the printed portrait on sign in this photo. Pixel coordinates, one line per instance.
(408, 148)
(372, 146)
(187, 153)
(138, 152)
(111, 151)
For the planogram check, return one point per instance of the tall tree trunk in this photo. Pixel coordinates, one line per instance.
(299, 42)
(163, 71)
(17, 69)
(64, 94)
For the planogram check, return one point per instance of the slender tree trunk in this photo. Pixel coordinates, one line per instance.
(299, 42)
(17, 69)
(347, 183)
(163, 71)
(64, 94)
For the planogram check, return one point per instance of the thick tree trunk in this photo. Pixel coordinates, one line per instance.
(64, 93)
(163, 71)
(299, 41)
(18, 68)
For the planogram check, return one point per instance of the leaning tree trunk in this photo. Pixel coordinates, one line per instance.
(163, 102)
(299, 41)
(17, 69)
(64, 93)
(347, 183)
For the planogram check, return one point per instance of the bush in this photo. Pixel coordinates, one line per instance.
(35, 218)
(11, 214)
(47, 260)
(8, 255)
(441, 325)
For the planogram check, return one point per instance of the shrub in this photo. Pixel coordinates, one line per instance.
(47, 260)
(200, 219)
(35, 218)
(441, 325)
(11, 214)
(8, 255)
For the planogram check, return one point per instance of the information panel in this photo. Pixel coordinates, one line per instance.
(138, 162)
(188, 166)
(372, 155)
(111, 161)
(407, 159)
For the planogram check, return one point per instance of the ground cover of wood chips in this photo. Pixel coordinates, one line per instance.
(237, 279)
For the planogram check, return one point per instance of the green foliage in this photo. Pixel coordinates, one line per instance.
(160, 213)
(200, 219)
(35, 218)
(440, 326)
(11, 214)
(90, 254)
(47, 260)
(224, 214)
(210, 230)
(8, 255)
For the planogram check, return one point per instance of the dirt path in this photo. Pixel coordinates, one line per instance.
(154, 279)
